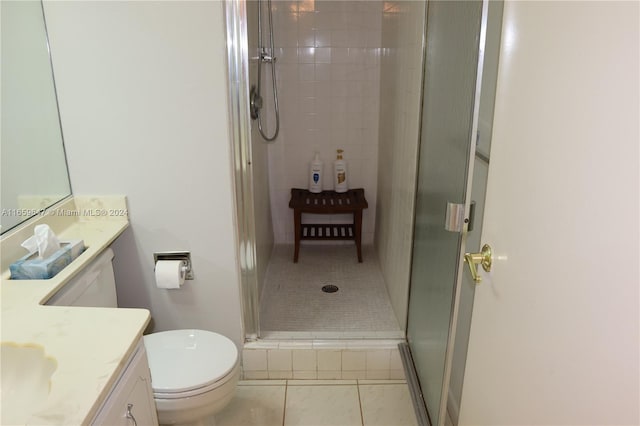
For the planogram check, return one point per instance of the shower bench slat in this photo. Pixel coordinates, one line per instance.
(328, 202)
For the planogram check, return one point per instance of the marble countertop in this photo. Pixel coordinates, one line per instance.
(90, 345)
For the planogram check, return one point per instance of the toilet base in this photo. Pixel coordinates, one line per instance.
(207, 421)
(197, 409)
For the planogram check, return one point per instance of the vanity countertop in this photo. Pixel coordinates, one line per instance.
(90, 345)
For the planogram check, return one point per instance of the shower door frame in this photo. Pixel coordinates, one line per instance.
(235, 14)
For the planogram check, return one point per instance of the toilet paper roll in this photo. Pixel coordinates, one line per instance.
(169, 274)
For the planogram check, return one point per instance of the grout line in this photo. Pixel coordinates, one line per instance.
(324, 384)
(284, 406)
(360, 402)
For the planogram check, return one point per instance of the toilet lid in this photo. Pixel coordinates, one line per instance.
(183, 360)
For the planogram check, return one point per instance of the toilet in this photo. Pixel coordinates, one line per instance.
(193, 372)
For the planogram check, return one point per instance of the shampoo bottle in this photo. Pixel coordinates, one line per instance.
(315, 175)
(340, 174)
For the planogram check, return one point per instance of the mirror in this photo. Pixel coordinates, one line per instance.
(33, 167)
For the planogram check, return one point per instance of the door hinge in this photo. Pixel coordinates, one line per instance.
(454, 218)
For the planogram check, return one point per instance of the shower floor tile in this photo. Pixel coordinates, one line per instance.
(293, 301)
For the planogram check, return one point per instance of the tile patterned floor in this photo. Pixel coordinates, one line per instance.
(319, 403)
(292, 300)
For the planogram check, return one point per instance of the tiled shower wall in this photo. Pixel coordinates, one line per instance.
(349, 76)
(324, 360)
(400, 96)
(259, 166)
(328, 71)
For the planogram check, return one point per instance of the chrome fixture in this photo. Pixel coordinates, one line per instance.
(265, 57)
(183, 256)
(454, 217)
(129, 415)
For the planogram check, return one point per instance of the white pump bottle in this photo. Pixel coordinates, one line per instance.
(340, 174)
(315, 175)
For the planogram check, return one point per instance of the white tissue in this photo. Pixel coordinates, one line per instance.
(44, 241)
(170, 274)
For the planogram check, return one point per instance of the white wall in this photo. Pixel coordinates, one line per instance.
(400, 95)
(143, 102)
(328, 86)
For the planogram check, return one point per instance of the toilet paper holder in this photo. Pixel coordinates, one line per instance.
(184, 256)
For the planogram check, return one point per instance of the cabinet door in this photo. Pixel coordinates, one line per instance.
(130, 403)
(94, 286)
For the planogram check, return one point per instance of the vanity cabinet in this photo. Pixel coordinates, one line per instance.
(130, 402)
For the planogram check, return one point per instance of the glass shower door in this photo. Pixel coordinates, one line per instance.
(453, 42)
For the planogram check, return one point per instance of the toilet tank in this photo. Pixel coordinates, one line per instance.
(94, 286)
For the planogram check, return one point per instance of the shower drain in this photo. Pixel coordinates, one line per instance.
(329, 288)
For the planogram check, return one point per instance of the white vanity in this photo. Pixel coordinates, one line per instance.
(102, 374)
(130, 401)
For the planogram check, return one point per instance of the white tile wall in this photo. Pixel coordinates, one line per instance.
(354, 360)
(329, 360)
(280, 374)
(255, 360)
(262, 220)
(322, 360)
(328, 72)
(304, 360)
(279, 359)
(400, 82)
(378, 360)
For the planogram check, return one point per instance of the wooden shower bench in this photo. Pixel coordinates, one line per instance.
(328, 202)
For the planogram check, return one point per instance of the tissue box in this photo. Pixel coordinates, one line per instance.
(31, 268)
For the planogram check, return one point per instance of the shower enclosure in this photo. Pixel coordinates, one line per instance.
(392, 82)
(329, 76)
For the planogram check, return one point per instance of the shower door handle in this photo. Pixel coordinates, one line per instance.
(484, 258)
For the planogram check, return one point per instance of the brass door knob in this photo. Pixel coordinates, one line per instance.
(483, 258)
